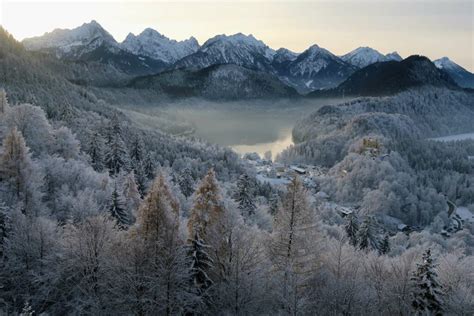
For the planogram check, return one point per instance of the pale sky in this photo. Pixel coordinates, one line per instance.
(434, 28)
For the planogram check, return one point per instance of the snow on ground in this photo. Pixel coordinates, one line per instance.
(465, 214)
(273, 181)
(451, 138)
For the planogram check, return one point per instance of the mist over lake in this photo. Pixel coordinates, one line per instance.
(251, 126)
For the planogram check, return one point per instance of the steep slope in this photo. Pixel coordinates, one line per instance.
(91, 43)
(239, 49)
(315, 68)
(152, 44)
(225, 82)
(462, 77)
(363, 56)
(386, 78)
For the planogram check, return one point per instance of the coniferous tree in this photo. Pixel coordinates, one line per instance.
(245, 196)
(118, 209)
(137, 151)
(149, 166)
(427, 293)
(95, 150)
(201, 264)
(4, 228)
(292, 245)
(273, 203)
(352, 228)
(19, 174)
(207, 208)
(131, 192)
(367, 235)
(116, 156)
(3, 101)
(186, 182)
(158, 228)
(385, 245)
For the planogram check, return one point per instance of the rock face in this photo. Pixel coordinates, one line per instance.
(462, 77)
(152, 44)
(221, 82)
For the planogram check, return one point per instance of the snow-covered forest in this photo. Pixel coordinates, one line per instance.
(99, 216)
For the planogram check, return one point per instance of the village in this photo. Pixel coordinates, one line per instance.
(278, 174)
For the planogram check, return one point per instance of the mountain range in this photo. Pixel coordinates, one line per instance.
(151, 54)
(391, 77)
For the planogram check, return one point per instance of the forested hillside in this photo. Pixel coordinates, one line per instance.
(380, 158)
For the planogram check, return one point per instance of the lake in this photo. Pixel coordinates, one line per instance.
(248, 126)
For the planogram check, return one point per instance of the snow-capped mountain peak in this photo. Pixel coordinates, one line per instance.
(445, 63)
(75, 42)
(363, 56)
(239, 49)
(393, 56)
(463, 77)
(155, 45)
(239, 41)
(283, 55)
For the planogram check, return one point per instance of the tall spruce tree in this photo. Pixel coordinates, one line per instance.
(95, 150)
(385, 245)
(352, 228)
(118, 209)
(367, 235)
(116, 156)
(201, 264)
(186, 182)
(427, 292)
(244, 196)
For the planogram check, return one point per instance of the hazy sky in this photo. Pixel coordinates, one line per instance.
(434, 28)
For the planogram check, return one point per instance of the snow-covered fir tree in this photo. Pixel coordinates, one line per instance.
(118, 209)
(385, 245)
(427, 291)
(21, 179)
(137, 150)
(116, 156)
(244, 196)
(149, 165)
(367, 235)
(352, 228)
(95, 150)
(273, 202)
(201, 264)
(3, 102)
(186, 182)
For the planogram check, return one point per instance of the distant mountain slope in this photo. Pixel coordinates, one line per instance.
(386, 78)
(315, 68)
(363, 56)
(215, 82)
(90, 42)
(462, 77)
(152, 44)
(27, 79)
(239, 49)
